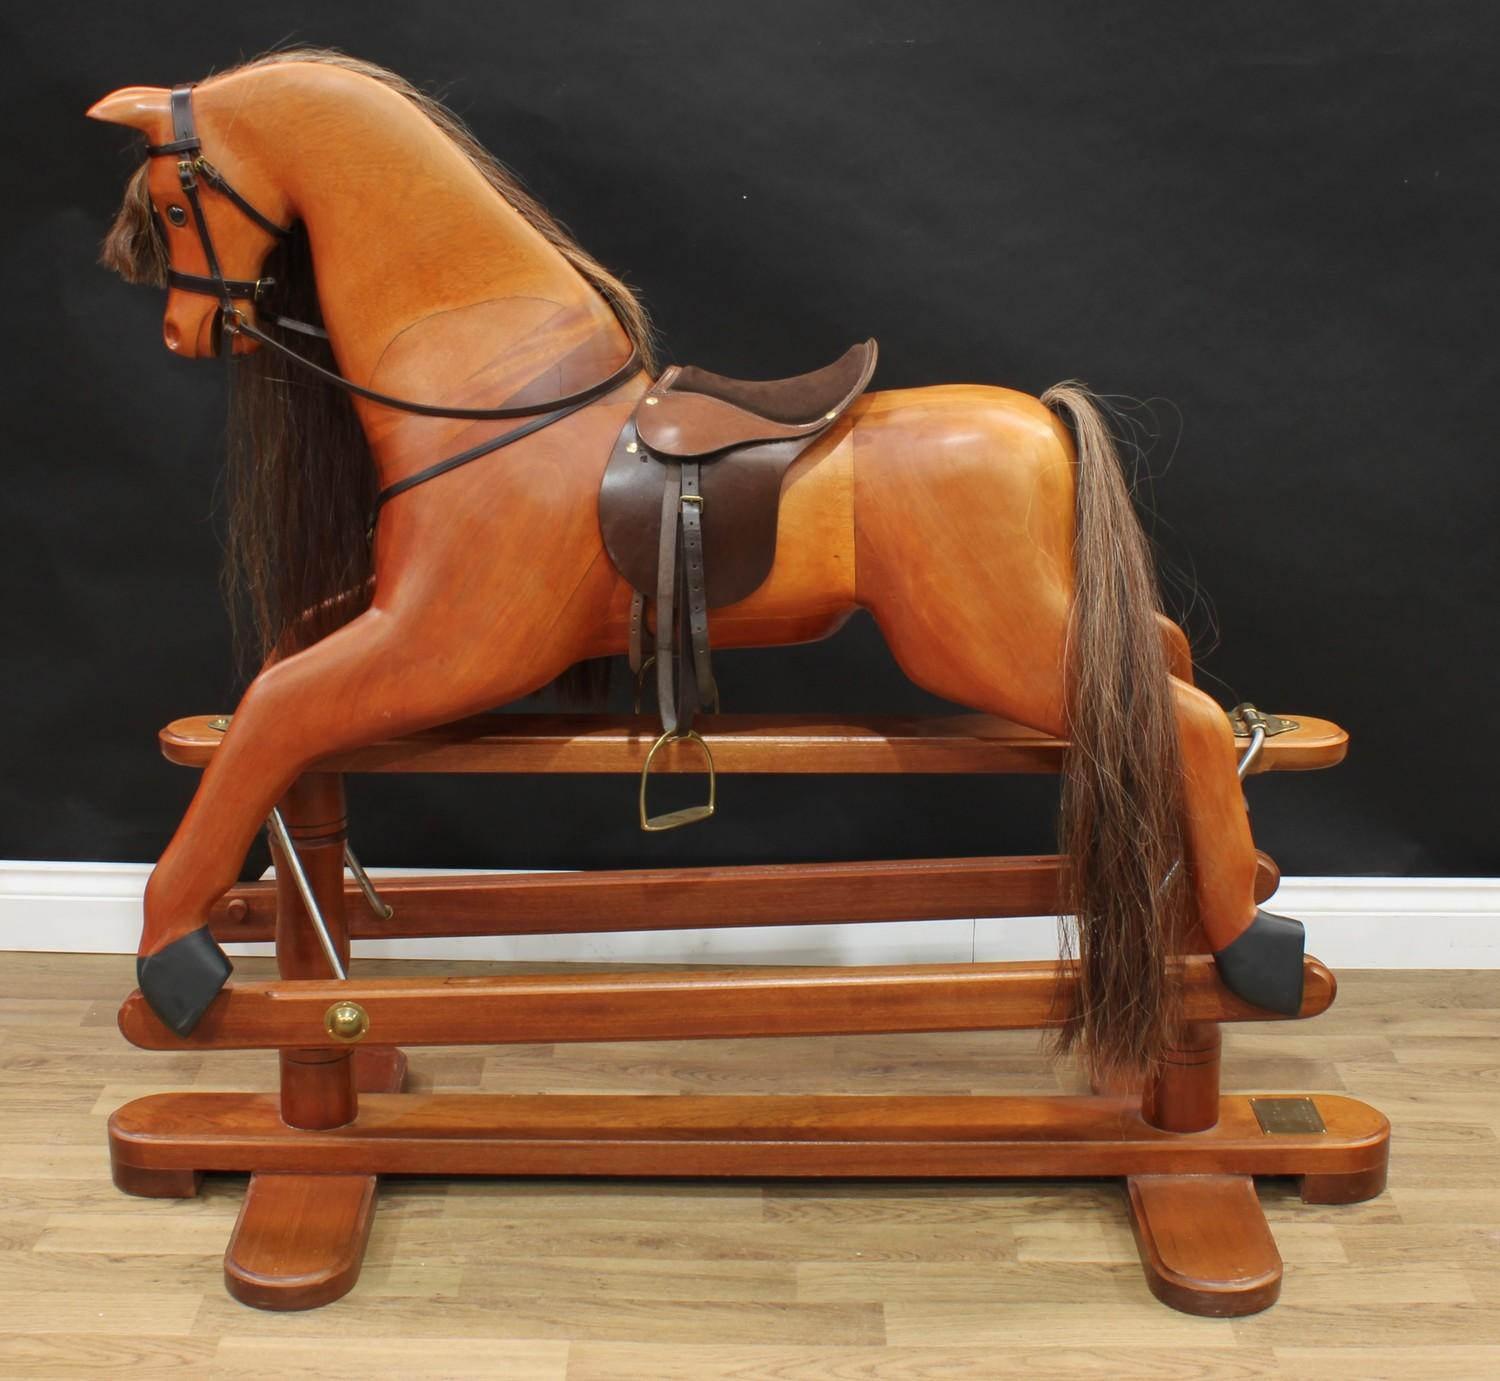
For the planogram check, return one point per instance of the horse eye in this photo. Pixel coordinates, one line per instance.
(176, 215)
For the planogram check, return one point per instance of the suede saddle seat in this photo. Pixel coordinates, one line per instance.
(744, 435)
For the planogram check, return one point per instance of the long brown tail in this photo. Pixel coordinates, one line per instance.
(1121, 813)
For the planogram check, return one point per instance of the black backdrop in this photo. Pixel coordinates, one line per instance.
(1277, 220)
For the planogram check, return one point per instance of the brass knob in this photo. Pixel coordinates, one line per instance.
(346, 1021)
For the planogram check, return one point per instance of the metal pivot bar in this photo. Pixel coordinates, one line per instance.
(688, 815)
(1248, 722)
(377, 903)
(304, 890)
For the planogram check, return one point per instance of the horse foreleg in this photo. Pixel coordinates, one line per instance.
(374, 678)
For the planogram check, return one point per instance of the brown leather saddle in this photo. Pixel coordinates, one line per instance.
(688, 509)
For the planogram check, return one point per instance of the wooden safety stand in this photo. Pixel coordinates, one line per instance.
(1187, 1153)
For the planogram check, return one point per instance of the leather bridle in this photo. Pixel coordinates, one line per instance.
(192, 166)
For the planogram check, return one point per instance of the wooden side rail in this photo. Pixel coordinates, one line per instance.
(953, 744)
(675, 1005)
(684, 898)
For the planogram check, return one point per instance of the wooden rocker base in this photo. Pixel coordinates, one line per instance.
(1178, 1184)
(299, 1241)
(1204, 1242)
(1186, 1155)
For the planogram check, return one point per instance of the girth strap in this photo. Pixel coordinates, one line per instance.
(682, 603)
(666, 596)
(681, 609)
(695, 591)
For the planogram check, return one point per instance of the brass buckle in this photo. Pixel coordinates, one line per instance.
(688, 815)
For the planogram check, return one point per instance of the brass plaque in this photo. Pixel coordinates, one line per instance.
(1288, 1116)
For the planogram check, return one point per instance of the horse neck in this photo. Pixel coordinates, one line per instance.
(412, 245)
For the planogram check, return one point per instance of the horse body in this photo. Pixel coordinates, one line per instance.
(951, 513)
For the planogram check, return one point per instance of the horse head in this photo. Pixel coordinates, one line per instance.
(199, 217)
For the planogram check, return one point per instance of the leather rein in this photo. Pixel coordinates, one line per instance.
(187, 148)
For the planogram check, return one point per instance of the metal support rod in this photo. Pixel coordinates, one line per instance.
(1246, 719)
(304, 890)
(377, 904)
(1257, 742)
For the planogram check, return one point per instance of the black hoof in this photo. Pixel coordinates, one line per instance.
(181, 979)
(1264, 966)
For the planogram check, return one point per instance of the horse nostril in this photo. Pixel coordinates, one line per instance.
(176, 215)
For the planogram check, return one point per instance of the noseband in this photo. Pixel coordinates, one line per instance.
(187, 148)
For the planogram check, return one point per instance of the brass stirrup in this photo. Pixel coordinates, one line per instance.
(688, 815)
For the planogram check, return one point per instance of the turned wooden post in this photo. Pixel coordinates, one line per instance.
(317, 1086)
(300, 1238)
(1184, 1095)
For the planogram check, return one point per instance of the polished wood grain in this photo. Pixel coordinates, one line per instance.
(764, 1135)
(782, 744)
(552, 1279)
(947, 512)
(299, 1241)
(1204, 1242)
(683, 898)
(1184, 1095)
(652, 1005)
(317, 1082)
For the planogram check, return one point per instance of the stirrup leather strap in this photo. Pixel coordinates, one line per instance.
(681, 609)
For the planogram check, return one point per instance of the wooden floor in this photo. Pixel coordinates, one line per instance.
(603, 1281)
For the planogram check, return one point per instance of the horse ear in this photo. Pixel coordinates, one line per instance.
(146, 108)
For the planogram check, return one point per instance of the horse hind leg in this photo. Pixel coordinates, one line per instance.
(1188, 750)
(965, 537)
(1259, 955)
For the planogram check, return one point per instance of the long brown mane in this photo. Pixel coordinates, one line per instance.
(300, 479)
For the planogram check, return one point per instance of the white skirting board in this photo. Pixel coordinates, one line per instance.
(1352, 922)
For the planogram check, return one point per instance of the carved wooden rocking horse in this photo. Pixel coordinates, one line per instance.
(476, 485)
